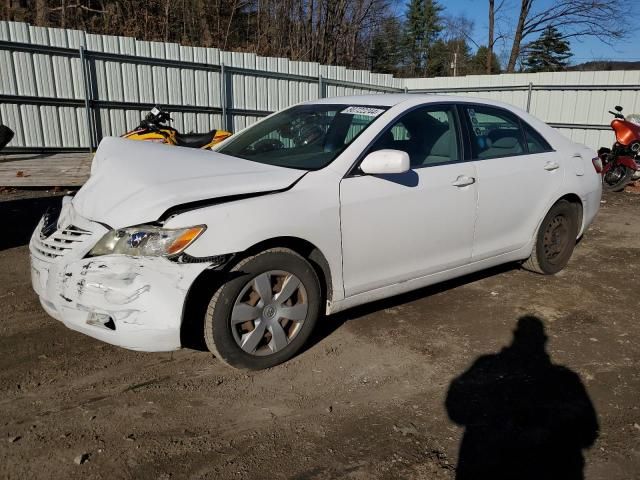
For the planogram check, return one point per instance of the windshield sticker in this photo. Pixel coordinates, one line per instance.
(366, 111)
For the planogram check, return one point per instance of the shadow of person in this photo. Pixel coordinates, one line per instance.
(524, 417)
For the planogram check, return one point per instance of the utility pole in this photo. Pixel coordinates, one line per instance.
(454, 64)
(491, 41)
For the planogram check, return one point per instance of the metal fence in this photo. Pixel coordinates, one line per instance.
(66, 89)
(576, 103)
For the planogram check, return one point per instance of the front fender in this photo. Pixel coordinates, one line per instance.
(309, 211)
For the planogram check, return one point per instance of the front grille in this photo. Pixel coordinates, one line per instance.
(60, 242)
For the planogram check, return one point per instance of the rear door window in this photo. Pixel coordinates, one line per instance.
(494, 133)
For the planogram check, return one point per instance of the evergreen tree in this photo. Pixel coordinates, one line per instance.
(449, 57)
(423, 26)
(549, 53)
(478, 64)
(386, 47)
(439, 61)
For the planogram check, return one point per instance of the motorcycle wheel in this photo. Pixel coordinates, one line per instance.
(617, 178)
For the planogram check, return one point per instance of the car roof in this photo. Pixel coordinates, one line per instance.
(410, 99)
(381, 99)
(392, 99)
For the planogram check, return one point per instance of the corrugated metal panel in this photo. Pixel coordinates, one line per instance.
(562, 104)
(45, 75)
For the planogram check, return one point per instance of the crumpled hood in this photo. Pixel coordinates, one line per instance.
(134, 181)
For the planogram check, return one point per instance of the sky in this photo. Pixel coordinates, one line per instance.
(583, 50)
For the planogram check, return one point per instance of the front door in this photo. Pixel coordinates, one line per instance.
(400, 227)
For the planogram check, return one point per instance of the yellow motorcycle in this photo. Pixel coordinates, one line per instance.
(154, 128)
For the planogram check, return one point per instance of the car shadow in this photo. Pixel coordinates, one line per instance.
(524, 416)
(191, 333)
(328, 324)
(20, 218)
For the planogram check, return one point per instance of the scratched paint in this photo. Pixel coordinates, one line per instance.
(119, 288)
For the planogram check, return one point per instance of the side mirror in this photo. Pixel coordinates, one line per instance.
(618, 108)
(386, 161)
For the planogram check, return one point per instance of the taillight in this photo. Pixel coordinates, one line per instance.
(597, 164)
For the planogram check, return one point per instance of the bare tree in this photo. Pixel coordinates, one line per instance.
(327, 31)
(493, 11)
(574, 18)
(42, 12)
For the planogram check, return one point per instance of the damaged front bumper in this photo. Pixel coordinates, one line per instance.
(133, 302)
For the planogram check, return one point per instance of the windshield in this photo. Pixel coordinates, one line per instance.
(634, 118)
(306, 137)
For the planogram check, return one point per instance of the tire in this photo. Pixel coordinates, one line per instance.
(555, 240)
(616, 180)
(243, 330)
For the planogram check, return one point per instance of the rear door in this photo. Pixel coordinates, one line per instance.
(518, 174)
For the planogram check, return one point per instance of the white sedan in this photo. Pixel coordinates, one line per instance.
(318, 208)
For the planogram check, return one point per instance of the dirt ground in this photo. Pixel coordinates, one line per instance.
(374, 394)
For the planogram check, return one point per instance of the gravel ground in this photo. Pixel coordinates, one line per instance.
(453, 378)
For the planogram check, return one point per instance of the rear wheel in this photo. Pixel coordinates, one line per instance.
(617, 178)
(265, 312)
(555, 240)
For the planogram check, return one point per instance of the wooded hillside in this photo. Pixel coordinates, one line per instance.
(422, 40)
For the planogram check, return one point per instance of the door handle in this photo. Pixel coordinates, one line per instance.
(550, 166)
(463, 181)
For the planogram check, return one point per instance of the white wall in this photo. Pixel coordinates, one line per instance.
(570, 105)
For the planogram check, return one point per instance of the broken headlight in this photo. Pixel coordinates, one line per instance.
(147, 241)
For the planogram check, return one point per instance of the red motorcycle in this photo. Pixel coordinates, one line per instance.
(620, 163)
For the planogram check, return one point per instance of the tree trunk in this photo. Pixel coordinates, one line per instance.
(42, 13)
(309, 43)
(63, 14)
(517, 37)
(229, 23)
(490, 42)
(184, 22)
(167, 4)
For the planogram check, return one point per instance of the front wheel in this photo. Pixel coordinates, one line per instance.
(265, 311)
(617, 178)
(555, 240)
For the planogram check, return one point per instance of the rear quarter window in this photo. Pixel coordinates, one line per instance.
(535, 142)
